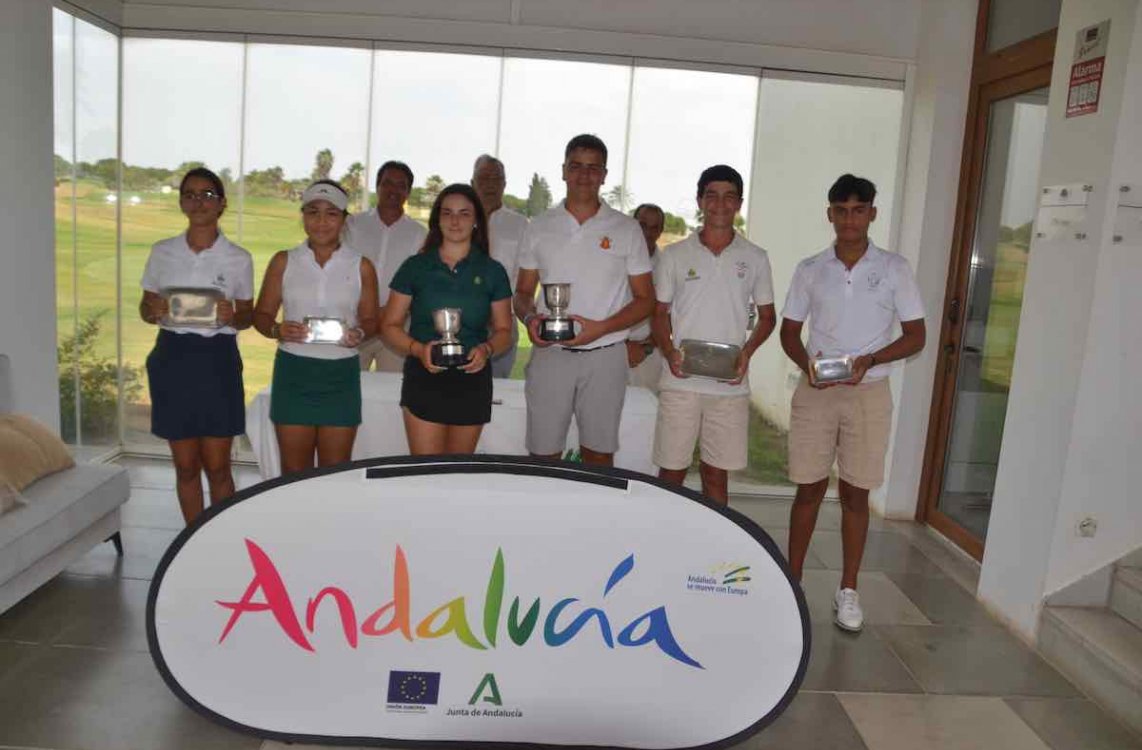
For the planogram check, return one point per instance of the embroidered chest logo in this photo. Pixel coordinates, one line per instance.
(605, 243)
(477, 281)
(220, 281)
(741, 267)
(873, 281)
(692, 275)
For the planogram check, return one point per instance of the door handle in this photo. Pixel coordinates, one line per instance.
(954, 311)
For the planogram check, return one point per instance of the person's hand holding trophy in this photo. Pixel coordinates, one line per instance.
(557, 325)
(447, 351)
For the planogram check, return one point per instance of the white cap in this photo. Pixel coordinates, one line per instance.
(323, 191)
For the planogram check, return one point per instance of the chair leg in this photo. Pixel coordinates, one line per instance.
(117, 540)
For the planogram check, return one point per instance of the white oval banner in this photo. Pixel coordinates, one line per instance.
(491, 600)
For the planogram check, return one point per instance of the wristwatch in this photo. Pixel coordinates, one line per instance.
(872, 360)
(647, 348)
(276, 330)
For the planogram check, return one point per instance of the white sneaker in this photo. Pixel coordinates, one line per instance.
(849, 617)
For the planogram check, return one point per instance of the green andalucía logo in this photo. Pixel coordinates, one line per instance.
(487, 685)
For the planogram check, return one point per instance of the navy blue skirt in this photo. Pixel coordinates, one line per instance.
(196, 386)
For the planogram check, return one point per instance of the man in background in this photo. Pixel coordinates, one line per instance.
(505, 230)
(385, 235)
(642, 353)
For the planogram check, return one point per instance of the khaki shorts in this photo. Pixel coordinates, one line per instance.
(847, 422)
(591, 385)
(722, 423)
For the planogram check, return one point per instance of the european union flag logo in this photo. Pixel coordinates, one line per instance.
(414, 687)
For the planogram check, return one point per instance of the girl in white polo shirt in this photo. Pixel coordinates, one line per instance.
(315, 400)
(195, 373)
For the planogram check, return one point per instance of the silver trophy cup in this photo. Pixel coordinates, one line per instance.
(448, 351)
(557, 326)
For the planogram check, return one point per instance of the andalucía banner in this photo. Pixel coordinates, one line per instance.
(488, 601)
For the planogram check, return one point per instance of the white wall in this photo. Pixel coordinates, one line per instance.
(1070, 443)
(27, 279)
(931, 184)
(1101, 481)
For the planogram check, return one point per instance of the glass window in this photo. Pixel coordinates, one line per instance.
(683, 121)
(88, 345)
(436, 112)
(167, 129)
(545, 104)
(63, 61)
(809, 133)
(306, 118)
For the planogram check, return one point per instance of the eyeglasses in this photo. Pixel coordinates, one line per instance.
(592, 169)
(205, 196)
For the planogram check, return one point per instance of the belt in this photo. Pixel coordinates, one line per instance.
(593, 348)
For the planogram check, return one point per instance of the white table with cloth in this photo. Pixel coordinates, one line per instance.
(382, 428)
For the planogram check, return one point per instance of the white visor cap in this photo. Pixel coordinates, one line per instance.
(321, 191)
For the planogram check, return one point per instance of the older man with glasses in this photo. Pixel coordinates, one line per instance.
(505, 230)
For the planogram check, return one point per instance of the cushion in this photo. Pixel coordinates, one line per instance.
(28, 451)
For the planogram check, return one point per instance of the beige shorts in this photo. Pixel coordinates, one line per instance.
(849, 423)
(721, 422)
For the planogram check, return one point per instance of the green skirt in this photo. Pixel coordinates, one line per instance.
(319, 392)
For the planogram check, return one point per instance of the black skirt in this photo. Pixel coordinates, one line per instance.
(196, 386)
(449, 397)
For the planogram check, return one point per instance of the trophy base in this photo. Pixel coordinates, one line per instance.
(449, 355)
(557, 329)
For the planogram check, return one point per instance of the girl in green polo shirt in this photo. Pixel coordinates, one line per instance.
(445, 409)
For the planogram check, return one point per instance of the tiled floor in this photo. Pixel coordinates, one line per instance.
(930, 671)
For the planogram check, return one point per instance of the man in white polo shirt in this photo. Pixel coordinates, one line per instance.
(852, 293)
(385, 236)
(505, 230)
(705, 285)
(602, 254)
(642, 353)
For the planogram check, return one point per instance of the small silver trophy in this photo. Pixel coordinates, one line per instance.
(321, 330)
(831, 369)
(557, 326)
(192, 307)
(448, 351)
(709, 359)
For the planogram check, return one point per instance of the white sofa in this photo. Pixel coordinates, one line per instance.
(66, 514)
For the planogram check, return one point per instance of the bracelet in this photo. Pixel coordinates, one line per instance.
(530, 317)
(276, 330)
(491, 349)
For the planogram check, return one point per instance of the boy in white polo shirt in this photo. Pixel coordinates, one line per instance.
(852, 293)
(602, 254)
(705, 285)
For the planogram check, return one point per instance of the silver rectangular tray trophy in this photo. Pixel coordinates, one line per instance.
(192, 306)
(323, 330)
(832, 369)
(709, 359)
